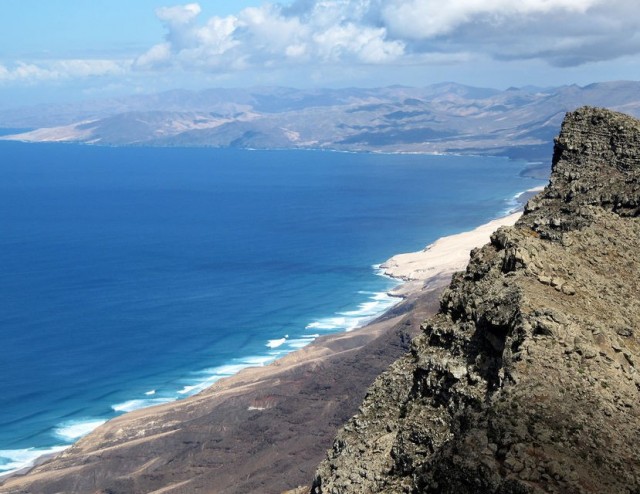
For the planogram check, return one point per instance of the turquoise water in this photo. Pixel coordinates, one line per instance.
(134, 276)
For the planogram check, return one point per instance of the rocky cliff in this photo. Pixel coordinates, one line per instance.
(527, 380)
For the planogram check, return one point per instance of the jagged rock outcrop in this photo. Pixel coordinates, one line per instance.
(528, 379)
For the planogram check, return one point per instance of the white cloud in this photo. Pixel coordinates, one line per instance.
(217, 35)
(268, 36)
(180, 14)
(156, 56)
(308, 36)
(180, 23)
(62, 69)
(365, 44)
(420, 19)
(4, 72)
(561, 32)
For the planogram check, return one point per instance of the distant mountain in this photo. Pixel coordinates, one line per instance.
(442, 118)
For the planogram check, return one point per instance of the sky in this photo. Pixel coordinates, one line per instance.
(69, 50)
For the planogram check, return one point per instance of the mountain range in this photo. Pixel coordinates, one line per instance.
(441, 118)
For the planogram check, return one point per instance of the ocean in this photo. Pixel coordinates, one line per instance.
(136, 276)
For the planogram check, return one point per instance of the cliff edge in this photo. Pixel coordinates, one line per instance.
(527, 379)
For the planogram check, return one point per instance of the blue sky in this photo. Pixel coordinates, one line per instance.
(64, 50)
(68, 28)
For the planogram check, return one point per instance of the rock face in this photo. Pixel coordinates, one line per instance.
(528, 378)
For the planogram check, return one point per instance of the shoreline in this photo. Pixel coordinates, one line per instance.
(474, 152)
(427, 270)
(447, 254)
(442, 258)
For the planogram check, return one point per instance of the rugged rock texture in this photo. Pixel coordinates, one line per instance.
(528, 379)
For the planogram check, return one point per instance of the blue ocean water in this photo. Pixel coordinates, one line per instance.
(133, 276)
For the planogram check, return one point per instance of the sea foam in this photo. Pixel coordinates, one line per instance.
(14, 460)
(515, 203)
(277, 343)
(206, 377)
(131, 405)
(75, 429)
(377, 304)
(298, 343)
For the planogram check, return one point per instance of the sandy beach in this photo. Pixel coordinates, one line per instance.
(441, 258)
(251, 425)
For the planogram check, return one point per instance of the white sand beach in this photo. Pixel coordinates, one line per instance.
(441, 258)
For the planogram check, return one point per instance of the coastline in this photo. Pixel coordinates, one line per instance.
(423, 275)
(318, 310)
(447, 254)
(440, 259)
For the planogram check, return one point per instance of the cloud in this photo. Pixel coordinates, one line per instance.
(271, 35)
(400, 32)
(318, 36)
(366, 45)
(179, 15)
(180, 23)
(157, 56)
(562, 32)
(62, 69)
(420, 19)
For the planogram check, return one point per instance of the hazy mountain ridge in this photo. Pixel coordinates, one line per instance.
(441, 118)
